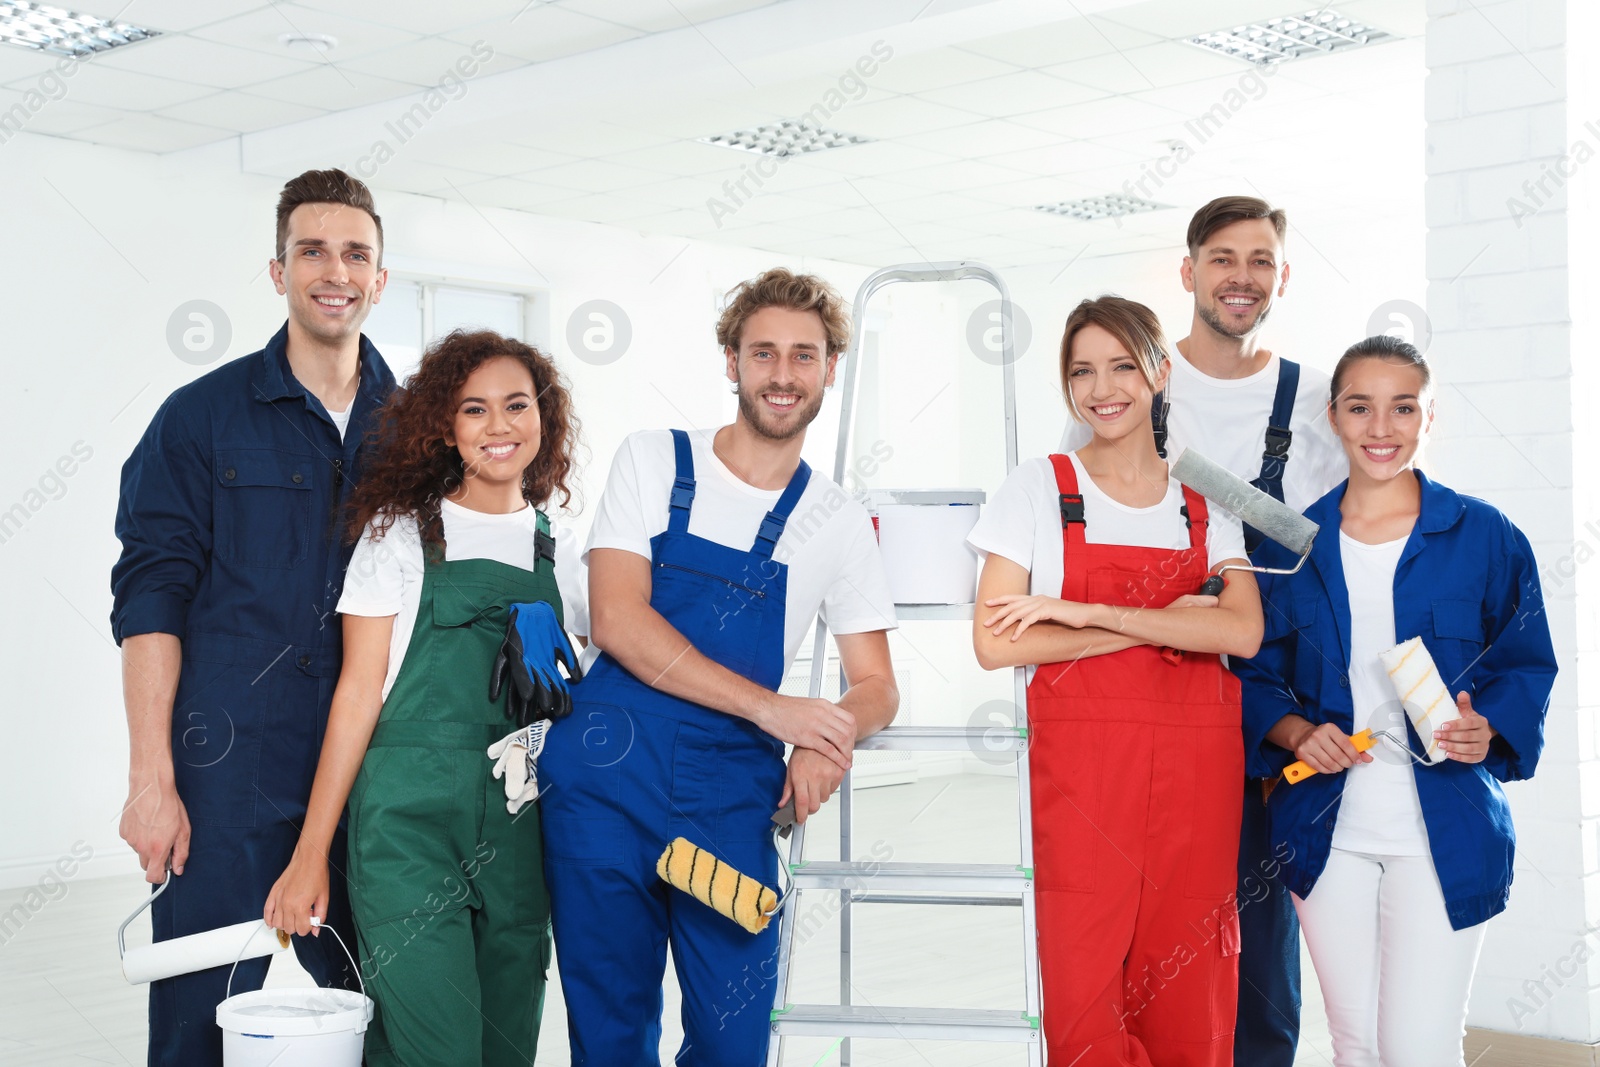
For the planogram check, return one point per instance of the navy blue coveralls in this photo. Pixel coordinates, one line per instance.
(1267, 1026)
(230, 522)
(631, 769)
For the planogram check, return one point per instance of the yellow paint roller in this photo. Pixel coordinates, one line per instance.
(720, 887)
(1301, 770)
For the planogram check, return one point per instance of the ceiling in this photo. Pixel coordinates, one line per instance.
(590, 110)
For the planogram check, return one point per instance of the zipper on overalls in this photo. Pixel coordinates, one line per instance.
(714, 577)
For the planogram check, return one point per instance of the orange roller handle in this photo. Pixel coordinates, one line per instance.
(1301, 770)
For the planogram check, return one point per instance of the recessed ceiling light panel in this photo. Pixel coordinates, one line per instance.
(1319, 32)
(785, 139)
(1093, 208)
(41, 28)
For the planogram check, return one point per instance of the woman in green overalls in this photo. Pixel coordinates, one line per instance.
(446, 872)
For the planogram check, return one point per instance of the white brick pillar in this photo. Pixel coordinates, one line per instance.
(1513, 166)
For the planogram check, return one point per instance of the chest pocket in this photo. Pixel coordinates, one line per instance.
(1311, 622)
(263, 507)
(463, 605)
(1458, 637)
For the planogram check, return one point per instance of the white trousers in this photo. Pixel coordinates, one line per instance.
(1394, 975)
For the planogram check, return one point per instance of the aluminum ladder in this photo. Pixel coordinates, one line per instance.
(950, 884)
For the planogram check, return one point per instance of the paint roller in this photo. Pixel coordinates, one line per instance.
(730, 893)
(196, 952)
(1274, 518)
(1423, 695)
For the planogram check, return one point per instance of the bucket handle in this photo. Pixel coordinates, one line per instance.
(122, 948)
(314, 922)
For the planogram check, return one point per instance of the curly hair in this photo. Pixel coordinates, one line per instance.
(780, 287)
(413, 467)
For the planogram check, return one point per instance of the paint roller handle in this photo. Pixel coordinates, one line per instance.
(1301, 770)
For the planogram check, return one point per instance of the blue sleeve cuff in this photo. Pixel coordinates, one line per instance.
(150, 613)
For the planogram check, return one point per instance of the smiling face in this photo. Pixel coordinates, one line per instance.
(496, 427)
(1235, 274)
(782, 368)
(1382, 416)
(1108, 388)
(330, 270)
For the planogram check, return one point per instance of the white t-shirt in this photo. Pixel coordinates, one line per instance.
(1022, 522)
(341, 419)
(832, 556)
(385, 574)
(1225, 420)
(1380, 812)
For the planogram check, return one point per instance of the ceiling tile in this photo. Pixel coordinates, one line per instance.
(902, 115)
(542, 31)
(238, 112)
(333, 88)
(959, 174)
(105, 87)
(1059, 42)
(508, 192)
(1185, 18)
(263, 28)
(1064, 157)
(1112, 115)
(151, 133)
(1032, 192)
(598, 137)
(938, 68)
(413, 176)
(422, 17)
(591, 176)
(170, 16)
(453, 148)
(204, 62)
(428, 60)
(610, 208)
(878, 157)
(24, 62)
(56, 118)
(980, 140)
(799, 98)
(952, 208)
(656, 16)
(681, 157)
(1014, 94)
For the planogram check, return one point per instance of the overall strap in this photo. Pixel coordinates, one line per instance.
(1159, 409)
(682, 497)
(1196, 516)
(1275, 455)
(544, 543)
(1074, 575)
(772, 526)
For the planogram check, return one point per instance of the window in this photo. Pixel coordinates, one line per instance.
(415, 312)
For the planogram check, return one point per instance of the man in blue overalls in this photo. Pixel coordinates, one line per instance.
(709, 559)
(232, 562)
(1241, 405)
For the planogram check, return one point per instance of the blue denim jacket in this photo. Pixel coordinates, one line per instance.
(230, 519)
(1467, 585)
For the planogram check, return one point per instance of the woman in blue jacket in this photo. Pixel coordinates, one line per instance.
(1395, 864)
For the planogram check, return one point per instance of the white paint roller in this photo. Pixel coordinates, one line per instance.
(1422, 693)
(196, 952)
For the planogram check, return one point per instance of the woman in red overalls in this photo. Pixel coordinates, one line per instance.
(1091, 577)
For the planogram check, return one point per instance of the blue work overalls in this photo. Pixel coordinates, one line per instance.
(230, 518)
(632, 768)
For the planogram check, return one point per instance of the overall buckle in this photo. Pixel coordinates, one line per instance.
(1072, 509)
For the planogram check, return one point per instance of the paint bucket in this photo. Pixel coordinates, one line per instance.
(295, 1027)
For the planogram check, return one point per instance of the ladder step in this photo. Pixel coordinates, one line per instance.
(955, 878)
(979, 739)
(936, 898)
(910, 1024)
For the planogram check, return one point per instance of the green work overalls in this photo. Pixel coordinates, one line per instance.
(447, 887)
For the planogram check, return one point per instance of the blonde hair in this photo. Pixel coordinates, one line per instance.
(780, 287)
(1134, 326)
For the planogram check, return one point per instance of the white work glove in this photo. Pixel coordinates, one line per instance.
(515, 759)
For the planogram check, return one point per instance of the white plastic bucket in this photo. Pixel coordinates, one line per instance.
(296, 1026)
(922, 535)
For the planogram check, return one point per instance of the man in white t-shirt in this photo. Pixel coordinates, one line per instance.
(710, 557)
(1264, 418)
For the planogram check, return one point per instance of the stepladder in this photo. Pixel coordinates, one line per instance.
(861, 879)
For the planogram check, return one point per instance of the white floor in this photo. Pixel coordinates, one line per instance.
(63, 1000)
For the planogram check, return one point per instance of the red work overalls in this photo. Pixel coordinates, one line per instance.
(1136, 759)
